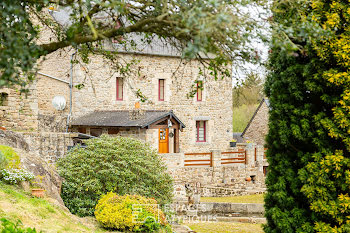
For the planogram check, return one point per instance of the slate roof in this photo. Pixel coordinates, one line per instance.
(157, 47)
(121, 118)
(264, 100)
(238, 137)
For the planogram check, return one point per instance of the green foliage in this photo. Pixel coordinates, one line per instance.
(246, 97)
(3, 161)
(18, 52)
(250, 92)
(12, 158)
(308, 141)
(242, 115)
(220, 29)
(10, 227)
(119, 164)
(10, 167)
(129, 213)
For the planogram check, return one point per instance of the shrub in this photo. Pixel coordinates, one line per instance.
(15, 176)
(10, 227)
(308, 183)
(10, 167)
(3, 161)
(130, 212)
(13, 159)
(118, 164)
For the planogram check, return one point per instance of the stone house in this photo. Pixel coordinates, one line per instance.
(257, 128)
(109, 101)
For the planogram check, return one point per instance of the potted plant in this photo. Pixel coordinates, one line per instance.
(37, 190)
(233, 143)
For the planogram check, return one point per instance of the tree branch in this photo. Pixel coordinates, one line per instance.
(81, 39)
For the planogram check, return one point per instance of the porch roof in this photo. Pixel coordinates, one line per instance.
(124, 118)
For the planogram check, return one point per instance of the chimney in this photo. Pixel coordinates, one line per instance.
(136, 113)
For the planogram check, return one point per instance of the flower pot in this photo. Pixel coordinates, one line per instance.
(233, 144)
(38, 192)
(248, 179)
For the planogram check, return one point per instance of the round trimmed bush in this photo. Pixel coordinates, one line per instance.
(130, 213)
(112, 164)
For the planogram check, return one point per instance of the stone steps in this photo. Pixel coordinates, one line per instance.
(177, 228)
(256, 220)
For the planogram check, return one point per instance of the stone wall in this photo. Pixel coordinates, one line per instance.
(223, 209)
(220, 179)
(258, 128)
(49, 146)
(19, 111)
(34, 111)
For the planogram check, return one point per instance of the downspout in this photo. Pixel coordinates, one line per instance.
(70, 90)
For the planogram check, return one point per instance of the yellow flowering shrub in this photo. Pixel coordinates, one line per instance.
(130, 213)
(13, 159)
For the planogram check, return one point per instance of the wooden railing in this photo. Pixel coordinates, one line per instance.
(199, 162)
(241, 157)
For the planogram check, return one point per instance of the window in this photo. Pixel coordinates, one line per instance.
(201, 131)
(161, 89)
(96, 132)
(119, 88)
(113, 131)
(199, 91)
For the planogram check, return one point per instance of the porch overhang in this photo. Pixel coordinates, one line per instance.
(149, 119)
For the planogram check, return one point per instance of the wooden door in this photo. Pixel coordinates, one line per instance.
(163, 140)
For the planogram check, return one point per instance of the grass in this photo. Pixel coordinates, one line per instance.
(39, 213)
(256, 198)
(225, 227)
(241, 116)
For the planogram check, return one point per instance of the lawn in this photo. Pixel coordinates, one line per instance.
(256, 198)
(225, 227)
(241, 116)
(39, 213)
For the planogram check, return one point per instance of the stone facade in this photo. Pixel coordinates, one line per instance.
(258, 128)
(19, 111)
(98, 79)
(99, 93)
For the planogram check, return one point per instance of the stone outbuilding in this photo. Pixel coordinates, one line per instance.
(257, 128)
